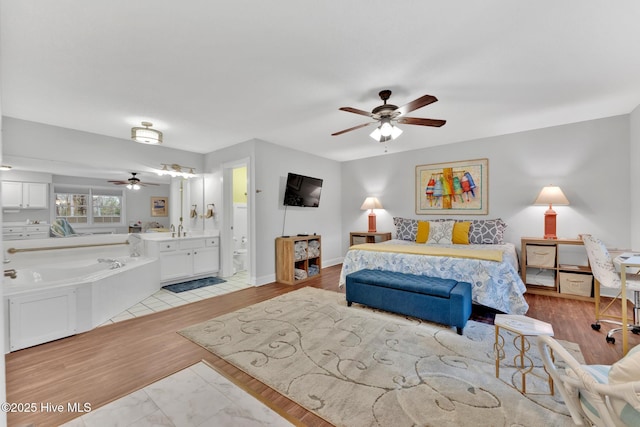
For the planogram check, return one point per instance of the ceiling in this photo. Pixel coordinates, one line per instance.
(210, 74)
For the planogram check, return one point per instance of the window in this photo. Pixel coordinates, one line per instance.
(88, 206)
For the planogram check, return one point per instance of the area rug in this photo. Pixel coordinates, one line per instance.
(355, 366)
(193, 284)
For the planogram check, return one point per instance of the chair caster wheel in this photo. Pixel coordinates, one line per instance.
(611, 340)
(595, 326)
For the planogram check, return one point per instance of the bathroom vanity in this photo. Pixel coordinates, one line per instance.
(183, 258)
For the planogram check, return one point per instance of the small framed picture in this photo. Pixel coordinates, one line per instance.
(159, 206)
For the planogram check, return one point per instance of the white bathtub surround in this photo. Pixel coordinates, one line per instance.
(65, 290)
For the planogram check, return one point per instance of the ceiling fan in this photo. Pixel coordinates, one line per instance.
(132, 183)
(388, 114)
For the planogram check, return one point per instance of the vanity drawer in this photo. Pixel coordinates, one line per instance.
(167, 246)
(212, 241)
(191, 244)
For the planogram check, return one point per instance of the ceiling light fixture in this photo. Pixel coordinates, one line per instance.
(386, 131)
(175, 170)
(146, 135)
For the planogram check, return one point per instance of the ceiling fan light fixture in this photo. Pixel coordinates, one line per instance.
(376, 134)
(146, 135)
(386, 132)
(395, 132)
(386, 127)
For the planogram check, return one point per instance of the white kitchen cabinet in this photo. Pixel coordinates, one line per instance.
(184, 258)
(25, 195)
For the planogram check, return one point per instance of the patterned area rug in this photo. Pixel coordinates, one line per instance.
(193, 284)
(355, 366)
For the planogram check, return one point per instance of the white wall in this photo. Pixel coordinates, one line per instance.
(634, 167)
(271, 164)
(588, 160)
(3, 389)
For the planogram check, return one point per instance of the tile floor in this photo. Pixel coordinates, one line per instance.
(196, 396)
(164, 299)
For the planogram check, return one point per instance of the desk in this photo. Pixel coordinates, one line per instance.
(522, 327)
(625, 260)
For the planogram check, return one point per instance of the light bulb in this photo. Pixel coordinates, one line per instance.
(386, 128)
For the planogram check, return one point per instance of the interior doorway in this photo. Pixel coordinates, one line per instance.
(237, 241)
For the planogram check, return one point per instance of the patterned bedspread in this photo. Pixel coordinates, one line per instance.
(494, 284)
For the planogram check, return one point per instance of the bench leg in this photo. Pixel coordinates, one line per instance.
(459, 330)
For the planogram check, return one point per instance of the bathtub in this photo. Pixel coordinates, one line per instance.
(53, 301)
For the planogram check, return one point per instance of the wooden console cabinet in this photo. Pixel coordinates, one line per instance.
(298, 258)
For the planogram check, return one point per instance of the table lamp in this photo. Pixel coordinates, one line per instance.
(371, 203)
(551, 195)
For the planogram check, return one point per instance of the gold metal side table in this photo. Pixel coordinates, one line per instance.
(522, 327)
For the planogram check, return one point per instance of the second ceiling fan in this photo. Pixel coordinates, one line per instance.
(388, 114)
(132, 183)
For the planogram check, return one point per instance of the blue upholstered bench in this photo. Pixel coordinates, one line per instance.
(444, 301)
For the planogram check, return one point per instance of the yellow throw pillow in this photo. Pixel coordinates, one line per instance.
(423, 232)
(461, 233)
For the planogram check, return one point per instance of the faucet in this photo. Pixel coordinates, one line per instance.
(11, 273)
(180, 230)
(173, 230)
(114, 262)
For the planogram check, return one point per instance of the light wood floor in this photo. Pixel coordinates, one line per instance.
(107, 363)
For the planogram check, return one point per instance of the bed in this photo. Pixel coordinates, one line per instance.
(485, 261)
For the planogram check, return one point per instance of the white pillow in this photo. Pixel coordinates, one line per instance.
(440, 231)
(626, 369)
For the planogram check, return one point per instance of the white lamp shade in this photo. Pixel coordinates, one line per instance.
(551, 195)
(371, 203)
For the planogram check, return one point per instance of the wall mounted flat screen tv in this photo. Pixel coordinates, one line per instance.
(302, 191)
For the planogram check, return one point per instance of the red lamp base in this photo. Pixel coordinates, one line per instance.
(372, 222)
(550, 224)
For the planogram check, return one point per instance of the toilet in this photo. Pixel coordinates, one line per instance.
(240, 255)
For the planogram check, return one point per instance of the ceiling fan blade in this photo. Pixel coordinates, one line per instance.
(144, 184)
(421, 122)
(356, 111)
(418, 103)
(354, 128)
(119, 182)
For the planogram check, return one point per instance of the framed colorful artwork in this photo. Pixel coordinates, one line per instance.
(460, 188)
(159, 206)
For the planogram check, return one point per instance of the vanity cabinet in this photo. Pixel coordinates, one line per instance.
(25, 195)
(25, 231)
(185, 258)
